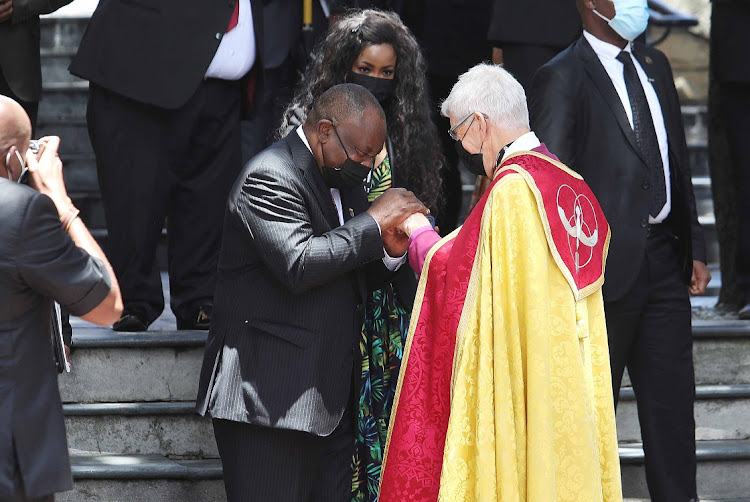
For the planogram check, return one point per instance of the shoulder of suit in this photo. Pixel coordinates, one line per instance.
(650, 54)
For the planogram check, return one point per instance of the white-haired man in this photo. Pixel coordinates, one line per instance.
(505, 384)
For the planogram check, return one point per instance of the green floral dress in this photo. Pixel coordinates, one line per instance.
(381, 346)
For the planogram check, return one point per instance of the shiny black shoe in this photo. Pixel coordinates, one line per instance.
(130, 322)
(201, 320)
(744, 312)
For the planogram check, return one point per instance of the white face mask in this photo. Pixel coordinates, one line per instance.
(24, 168)
(631, 18)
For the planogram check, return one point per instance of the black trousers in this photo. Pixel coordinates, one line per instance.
(155, 164)
(278, 89)
(263, 464)
(650, 334)
(735, 110)
(31, 107)
(522, 60)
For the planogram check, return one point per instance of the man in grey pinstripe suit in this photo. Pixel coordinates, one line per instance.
(300, 251)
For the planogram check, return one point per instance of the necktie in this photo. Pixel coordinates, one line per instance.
(645, 134)
(235, 19)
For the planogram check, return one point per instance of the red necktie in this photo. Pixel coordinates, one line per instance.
(235, 17)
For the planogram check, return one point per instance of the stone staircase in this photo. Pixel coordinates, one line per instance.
(129, 402)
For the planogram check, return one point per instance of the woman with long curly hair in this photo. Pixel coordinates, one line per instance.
(376, 50)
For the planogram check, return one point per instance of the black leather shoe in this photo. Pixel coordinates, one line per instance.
(201, 320)
(744, 312)
(130, 322)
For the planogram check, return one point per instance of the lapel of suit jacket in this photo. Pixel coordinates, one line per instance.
(305, 161)
(657, 79)
(601, 79)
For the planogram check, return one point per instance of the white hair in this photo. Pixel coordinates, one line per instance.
(491, 90)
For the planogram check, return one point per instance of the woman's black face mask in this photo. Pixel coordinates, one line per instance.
(381, 88)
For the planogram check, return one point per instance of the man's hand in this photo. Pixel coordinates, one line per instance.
(700, 279)
(6, 10)
(395, 242)
(393, 207)
(46, 176)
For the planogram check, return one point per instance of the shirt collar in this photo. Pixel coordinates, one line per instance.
(523, 143)
(604, 49)
(302, 136)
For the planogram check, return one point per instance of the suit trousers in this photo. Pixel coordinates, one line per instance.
(523, 60)
(263, 464)
(31, 107)
(156, 164)
(735, 111)
(649, 332)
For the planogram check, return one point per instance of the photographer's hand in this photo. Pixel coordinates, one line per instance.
(45, 174)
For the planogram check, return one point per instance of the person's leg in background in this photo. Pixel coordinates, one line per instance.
(129, 141)
(661, 370)
(205, 160)
(735, 111)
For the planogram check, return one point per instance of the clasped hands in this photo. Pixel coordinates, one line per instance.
(6, 10)
(398, 212)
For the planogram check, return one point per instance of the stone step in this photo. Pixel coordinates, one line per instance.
(171, 429)
(723, 468)
(143, 478)
(55, 64)
(111, 367)
(63, 101)
(164, 364)
(59, 33)
(722, 412)
(722, 474)
(74, 135)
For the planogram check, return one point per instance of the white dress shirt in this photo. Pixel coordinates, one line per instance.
(391, 263)
(608, 56)
(236, 53)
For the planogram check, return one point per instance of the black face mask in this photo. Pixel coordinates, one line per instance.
(347, 175)
(474, 162)
(381, 88)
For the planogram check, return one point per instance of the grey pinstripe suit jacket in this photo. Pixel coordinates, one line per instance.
(289, 301)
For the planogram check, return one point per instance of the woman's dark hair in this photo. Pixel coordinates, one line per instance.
(417, 158)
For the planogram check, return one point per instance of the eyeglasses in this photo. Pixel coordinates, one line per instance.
(452, 130)
(361, 154)
(24, 167)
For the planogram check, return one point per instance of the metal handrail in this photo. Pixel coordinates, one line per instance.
(665, 16)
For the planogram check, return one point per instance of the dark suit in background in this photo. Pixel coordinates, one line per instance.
(284, 341)
(20, 64)
(452, 34)
(730, 36)
(577, 112)
(286, 53)
(532, 32)
(167, 142)
(40, 264)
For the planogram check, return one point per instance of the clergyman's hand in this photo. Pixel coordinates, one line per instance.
(6, 10)
(393, 207)
(701, 278)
